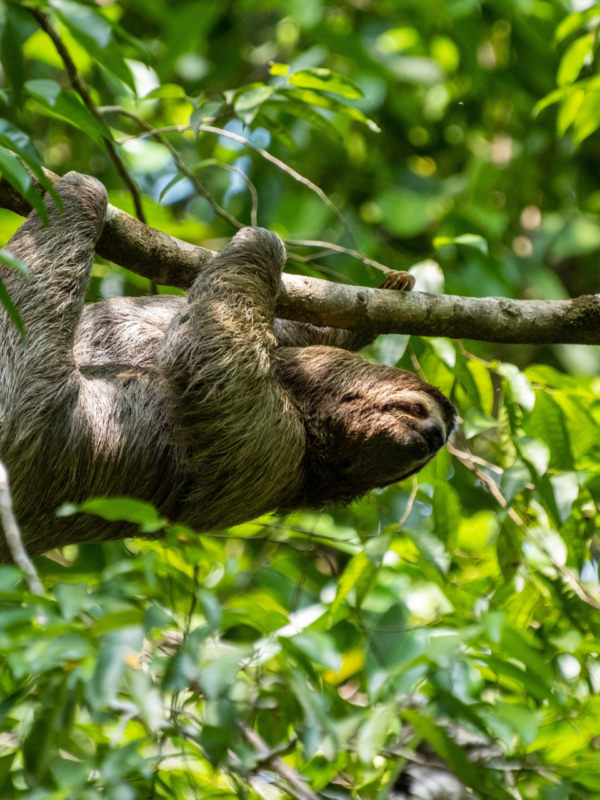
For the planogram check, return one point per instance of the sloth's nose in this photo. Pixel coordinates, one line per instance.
(433, 433)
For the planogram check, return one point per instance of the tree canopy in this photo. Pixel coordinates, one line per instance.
(451, 619)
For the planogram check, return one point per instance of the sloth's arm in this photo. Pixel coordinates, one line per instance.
(216, 353)
(302, 334)
(249, 269)
(60, 258)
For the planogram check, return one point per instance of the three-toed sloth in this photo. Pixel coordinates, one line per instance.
(205, 405)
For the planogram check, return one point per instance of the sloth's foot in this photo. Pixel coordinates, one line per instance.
(399, 281)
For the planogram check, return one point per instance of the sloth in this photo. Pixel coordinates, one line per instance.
(205, 406)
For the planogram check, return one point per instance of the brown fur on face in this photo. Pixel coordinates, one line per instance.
(367, 425)
(205, 405)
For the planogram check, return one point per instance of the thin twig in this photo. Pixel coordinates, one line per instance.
(242, 139)
(12, 535)
(336, 248)
(291, 172)
(249, 185)
(411, 501)
(80, 86)
(144, 134)
(463, 454)
(570, 579)
(182, 166)
(297, 787)
(322, 269)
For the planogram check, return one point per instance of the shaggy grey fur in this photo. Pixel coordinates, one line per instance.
(205, 406)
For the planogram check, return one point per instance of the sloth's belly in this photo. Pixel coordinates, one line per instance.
(124, 330)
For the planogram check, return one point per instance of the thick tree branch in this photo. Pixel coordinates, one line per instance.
(169, 261)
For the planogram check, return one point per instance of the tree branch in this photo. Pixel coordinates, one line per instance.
(12, 534)
(170, 261)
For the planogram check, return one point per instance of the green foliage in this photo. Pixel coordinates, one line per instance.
(461, 603)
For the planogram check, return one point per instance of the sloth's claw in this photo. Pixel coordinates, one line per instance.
(399, 281)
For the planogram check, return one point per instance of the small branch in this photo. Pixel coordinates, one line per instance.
(249, 185)
(297, 786)
(80, 86)
(13, 535)
(567, 574)
(336, 248)
(202, 191)
(282, 166)
(170, 261)
(410, 504)
(126, 241)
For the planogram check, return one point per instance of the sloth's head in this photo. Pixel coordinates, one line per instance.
(367, 425)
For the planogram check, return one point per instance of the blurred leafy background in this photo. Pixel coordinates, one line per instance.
(451, 620)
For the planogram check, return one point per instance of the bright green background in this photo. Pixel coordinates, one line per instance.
(349, 638)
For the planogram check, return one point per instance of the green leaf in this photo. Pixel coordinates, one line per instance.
(276, 129)
(248, 103)
(522, 720)
(566, 491)
(117, 620)
(520, 387)
(573, 22)
(446, 514)
(547, 423)
(18, 177)
(516, 646)
(569, 109)
(389, 349)
(122, 508)
(374, 732)
(573, 60)
(305, 112)
(11, 261)
(548, 100)
(509, 547)
(477, 422)
(18, 141)
(11, 310)
(314, 98)
(534, 452)
(85, 19)
(453, 755)
(168, 91)
(278, 69)
(517, 678)
(483, 382)
(66, 105)
(326, 81)
(11, 51)
(359, 567)
(319, 647)
(587, 119)
(468, 239)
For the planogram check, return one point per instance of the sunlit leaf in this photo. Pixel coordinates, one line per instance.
(574, 59)
(276, 68)
(325, 80)
(468, 239)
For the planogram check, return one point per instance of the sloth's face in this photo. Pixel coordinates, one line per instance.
(367, 425)
(386, 432)
(396, 431)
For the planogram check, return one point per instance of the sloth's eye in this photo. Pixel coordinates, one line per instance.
(418, 410)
